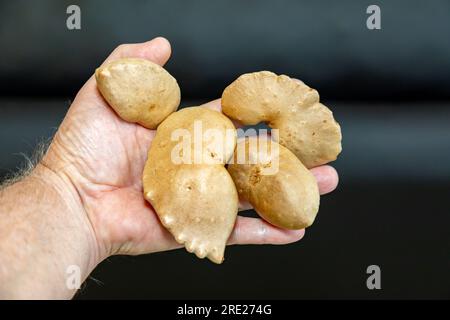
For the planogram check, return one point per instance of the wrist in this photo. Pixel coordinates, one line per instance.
(44, 234)
(68, 198)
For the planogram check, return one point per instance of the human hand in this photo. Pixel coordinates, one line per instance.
(102, 158)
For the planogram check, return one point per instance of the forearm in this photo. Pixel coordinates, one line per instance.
(43, 232)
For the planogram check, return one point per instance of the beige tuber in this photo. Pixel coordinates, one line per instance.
(138, 90)
(287, 198)
(197, 202)
(306, 127)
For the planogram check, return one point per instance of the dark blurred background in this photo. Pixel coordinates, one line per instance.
(388, 88)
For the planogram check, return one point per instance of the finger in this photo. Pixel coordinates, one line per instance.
(257, 231)
(327, 178)
(244, 205)
(217, 106)
(157, 50)
(213, 105)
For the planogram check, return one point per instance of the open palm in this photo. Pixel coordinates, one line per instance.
(104, 156)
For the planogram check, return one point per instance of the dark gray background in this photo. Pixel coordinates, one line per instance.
(389, 89)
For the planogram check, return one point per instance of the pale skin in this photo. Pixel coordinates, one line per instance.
(83, 201)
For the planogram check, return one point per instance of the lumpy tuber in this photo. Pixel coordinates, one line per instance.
(289, 197)
(138, 90)
(306, 127)
(197, 202)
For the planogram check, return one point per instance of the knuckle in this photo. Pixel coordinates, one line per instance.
(122, 48)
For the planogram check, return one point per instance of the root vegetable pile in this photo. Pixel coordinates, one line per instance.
(197, 201)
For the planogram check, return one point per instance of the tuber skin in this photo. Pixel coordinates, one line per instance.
(306, 127)
(139, 90)
(289, 197)
(196, 202)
